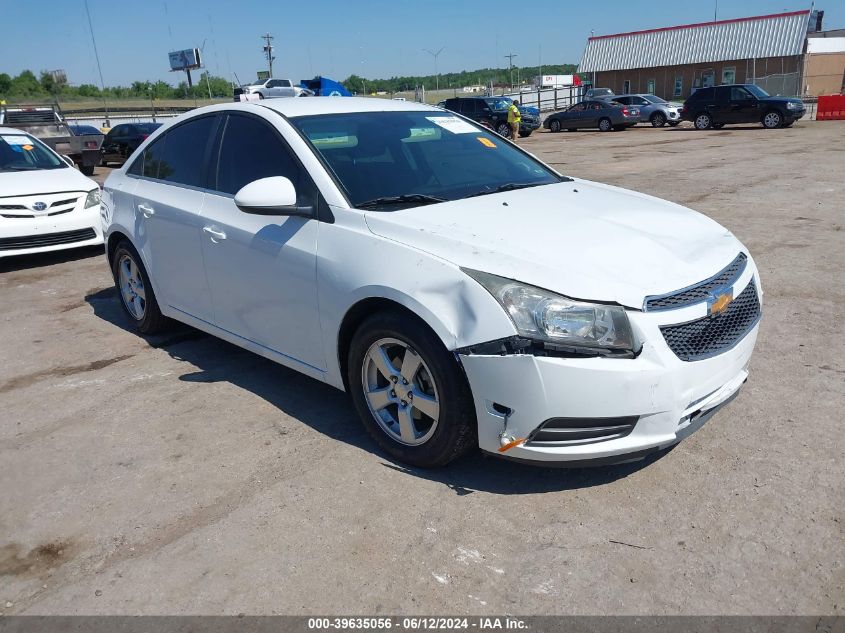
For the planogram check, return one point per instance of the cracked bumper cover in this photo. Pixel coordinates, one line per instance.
(670, 397)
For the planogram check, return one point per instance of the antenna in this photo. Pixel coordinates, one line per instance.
(99, 68)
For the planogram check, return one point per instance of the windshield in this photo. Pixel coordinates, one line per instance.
(598, 92)
(757, 91)
(499, 104)
(422, 157)
(653, 99)
(148, 128)
(21, 152)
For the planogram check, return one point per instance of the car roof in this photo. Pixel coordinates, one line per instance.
(302, 106)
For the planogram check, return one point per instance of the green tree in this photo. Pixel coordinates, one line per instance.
(26, 85)
(5, 84)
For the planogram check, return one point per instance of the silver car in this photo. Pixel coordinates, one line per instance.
(653, 109)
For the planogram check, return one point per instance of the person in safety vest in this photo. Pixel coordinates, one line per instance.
(514, 119)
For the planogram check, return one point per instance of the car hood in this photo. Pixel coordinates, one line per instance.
(26, 183)
(580, 239)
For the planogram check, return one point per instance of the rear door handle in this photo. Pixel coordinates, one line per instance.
(146, 210)
(214, 233)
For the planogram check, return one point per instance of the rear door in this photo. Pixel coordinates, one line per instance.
(169, 199)
(261, 268)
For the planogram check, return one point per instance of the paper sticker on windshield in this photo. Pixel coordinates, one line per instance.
(486, 142)
(27, 147)
(17, 140)
(453, 124)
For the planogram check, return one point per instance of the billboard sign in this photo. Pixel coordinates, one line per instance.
(185, 60)
(263, 75)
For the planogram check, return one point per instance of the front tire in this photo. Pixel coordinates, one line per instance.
(409, 391)
(658, 119)
(703, 121)
(135, 290)
(772, 120)
(554, 126)
(605, 125)
(503, 130)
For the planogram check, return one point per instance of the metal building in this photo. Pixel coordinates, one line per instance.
(672, 62)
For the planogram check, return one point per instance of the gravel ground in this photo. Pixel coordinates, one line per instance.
(180, 474)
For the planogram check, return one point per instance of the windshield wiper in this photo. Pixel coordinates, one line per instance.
(410, 198)
(20, 168)
(511, 186)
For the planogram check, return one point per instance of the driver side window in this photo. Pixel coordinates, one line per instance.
(250, 150)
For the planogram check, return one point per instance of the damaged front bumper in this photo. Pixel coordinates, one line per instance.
(575, 411)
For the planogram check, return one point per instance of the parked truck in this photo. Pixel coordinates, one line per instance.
(48, 124)
(268, 89)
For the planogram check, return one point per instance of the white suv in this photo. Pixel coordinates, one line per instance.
(459, 289)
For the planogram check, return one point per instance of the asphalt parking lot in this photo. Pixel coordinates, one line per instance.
(180, 474)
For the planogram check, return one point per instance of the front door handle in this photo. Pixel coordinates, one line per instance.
(215, 234)
(146, 210)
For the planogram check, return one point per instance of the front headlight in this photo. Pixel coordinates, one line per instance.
(551, 318)
(794, 105)
(93, 199)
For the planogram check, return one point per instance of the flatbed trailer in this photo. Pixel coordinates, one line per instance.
(48, 124)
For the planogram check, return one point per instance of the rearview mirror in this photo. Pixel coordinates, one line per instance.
(270, 196)
(68, 160)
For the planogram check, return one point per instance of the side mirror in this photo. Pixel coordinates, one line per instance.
(270, 196)
(68, 160)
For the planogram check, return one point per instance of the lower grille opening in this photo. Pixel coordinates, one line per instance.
(46, 239)
(571, 431)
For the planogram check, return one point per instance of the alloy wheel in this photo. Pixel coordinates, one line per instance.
(703, 121)
(772, 120)
(132, 289)
(400, 392)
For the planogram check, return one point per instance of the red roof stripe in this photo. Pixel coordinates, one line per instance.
(692, 26)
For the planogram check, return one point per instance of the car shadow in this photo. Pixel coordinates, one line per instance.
(38, 260)
(330, 412)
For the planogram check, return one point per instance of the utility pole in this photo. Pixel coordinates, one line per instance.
(268, 50)
(510, 57)
(436, 74)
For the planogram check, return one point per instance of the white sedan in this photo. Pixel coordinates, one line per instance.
(46, 204)
(459, 289)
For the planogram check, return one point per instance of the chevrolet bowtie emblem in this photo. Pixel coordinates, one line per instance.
(719, 301)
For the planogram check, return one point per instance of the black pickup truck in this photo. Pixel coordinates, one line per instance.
(493, 112)
(714, 107)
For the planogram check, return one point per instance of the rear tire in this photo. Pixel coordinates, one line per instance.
(554, 126)
(703, 121)
(135, 290)
(605, 125)
(524, 134)
(380, 375)
(87, 170)
(658, 119)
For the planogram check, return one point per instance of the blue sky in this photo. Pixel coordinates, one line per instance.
(372, 38)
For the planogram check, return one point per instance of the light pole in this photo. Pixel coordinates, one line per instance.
(268, 50)
(510, 57)
(436, 74)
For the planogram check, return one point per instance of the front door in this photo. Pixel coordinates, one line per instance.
(262, 269)
(745, 108)
(168, 206)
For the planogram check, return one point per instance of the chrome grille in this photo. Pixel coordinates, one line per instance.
(712, 335)
(700, 291)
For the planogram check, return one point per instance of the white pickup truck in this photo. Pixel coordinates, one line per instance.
(270, 88)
